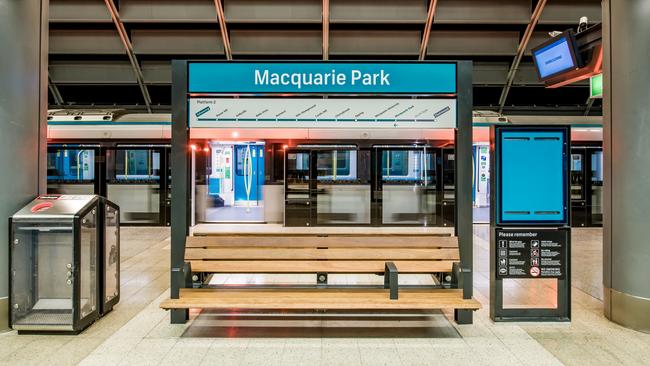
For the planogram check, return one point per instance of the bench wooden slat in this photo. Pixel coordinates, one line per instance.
(300, 299)
(310, 266)
(321, 254)
(368, 241)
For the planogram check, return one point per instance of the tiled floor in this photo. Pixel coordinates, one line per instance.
(137, 332)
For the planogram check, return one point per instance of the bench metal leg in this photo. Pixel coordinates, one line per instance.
(390, 280)
(179, 316)
(463, 316)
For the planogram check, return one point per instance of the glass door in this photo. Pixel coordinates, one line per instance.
(134, 182)
(448, 191)
(578, 194)
(406, 189)
(342, 193)
(297, 189)
(596, 186)
(71, 169)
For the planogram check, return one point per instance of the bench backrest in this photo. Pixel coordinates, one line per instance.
(342, 254)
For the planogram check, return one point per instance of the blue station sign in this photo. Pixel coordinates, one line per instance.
(322, 77)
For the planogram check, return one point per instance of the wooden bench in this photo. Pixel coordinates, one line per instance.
(322, 255)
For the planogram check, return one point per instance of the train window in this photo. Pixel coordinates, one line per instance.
(336, 165)
(136, 164)
(73, 165)
(395, 164)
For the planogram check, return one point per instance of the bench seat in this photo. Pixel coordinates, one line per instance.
(320, 299)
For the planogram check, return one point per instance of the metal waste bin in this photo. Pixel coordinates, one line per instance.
(60, 277)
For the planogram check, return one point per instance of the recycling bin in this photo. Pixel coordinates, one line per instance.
(64, 263)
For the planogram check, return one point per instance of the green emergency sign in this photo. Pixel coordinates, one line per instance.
(596, 86)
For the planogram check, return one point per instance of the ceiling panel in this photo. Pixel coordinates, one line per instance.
(168, 11)
(79, 11)
(483, 12)
(91, 72)
(157, 72)
(270, 42)
(98, 41)
(569, 12)
(175, 42)
(264, 11)
(353, 42)
(378, 11)
(479, 43)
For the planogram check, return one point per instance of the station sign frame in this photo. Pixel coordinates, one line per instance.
(418, 87)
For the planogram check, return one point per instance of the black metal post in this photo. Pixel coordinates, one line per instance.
(180, 219)
(464, 171)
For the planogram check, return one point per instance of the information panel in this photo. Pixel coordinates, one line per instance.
(531, 253)
(321, 113)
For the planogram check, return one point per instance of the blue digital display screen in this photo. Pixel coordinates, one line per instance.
(554, 58)
(532, 173)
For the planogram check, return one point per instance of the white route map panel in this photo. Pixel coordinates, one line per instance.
(321, 113)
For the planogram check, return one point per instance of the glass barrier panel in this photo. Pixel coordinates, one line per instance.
(577, 177)
(597, 187)
(88, 265)
(111, 255)
(42, 262)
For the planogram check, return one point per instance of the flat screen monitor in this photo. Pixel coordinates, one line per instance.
(555, 56)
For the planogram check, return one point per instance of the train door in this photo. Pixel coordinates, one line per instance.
(481, 186)
(135, 181)
(233, 190)
(595, 209)
(298, 186)
(578, 187)
(448, 177)
(73, 169)
(249, 174)
(342, 192)
(406, 189)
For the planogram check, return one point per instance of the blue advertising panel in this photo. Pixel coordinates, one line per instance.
(532, 169)
(322, 77)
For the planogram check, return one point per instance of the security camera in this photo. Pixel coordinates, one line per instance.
(582, 24)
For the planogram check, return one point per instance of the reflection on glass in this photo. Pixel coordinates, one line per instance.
(134, 165)
(408, 185)
(133, 177)
(577, 177)
(42, 287)
(71, 171)
(111, 255)
(297, 172)
(341, 198)
(88, 266)
(336, 165)
(597, 187)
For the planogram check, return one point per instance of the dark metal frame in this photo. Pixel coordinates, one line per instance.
(181, 182)
(563, 311)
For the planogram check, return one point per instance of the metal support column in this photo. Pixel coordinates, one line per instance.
(326, 29)
(427, 29)
(626, 81)
(537, 13)
(124, 37)
(225, 37)
(464, 178)
(56, 94)
(23, 115)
